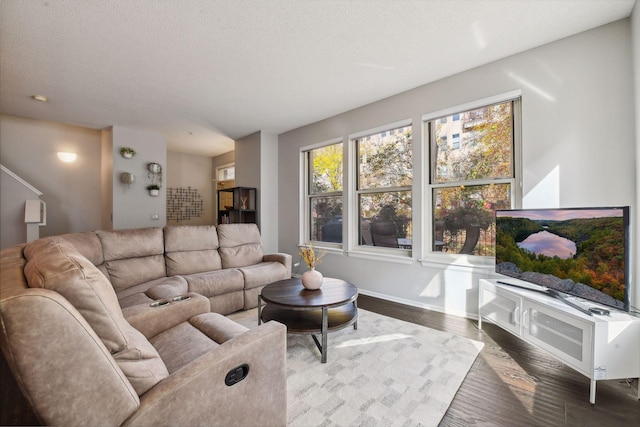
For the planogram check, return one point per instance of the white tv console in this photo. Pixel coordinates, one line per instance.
(598, 346)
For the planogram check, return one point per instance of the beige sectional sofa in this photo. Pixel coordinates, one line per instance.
(126, 327)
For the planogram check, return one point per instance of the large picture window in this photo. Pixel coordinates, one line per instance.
(384, 179)
(472, 174)
(324, 193)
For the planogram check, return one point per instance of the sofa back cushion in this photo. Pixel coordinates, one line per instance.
(240, 245)
(54, 264)
(12, 271)
(88, 245)
(133, 256)
(191, 249)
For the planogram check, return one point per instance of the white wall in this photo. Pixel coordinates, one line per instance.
(71, 190)
(578, 150)
(191, 170)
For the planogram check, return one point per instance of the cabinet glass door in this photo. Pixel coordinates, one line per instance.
(567, 337)
(501, 308)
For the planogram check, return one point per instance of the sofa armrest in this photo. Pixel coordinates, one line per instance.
(282, 258)
(163, 314)
(197, 394)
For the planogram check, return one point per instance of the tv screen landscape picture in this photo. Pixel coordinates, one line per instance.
(578, 251)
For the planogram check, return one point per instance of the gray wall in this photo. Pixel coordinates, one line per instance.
(257, 166)
(13, 194)
(247, 152)
(132, 205)
(578, 150)
(635, 28)
(72, 191)
(269, 191)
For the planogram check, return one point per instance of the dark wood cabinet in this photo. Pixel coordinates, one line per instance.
(237, 205)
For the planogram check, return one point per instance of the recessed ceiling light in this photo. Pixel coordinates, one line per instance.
(39, 98)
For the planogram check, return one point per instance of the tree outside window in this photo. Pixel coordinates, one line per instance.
(324, 193)
(472, 177)
(385, 176)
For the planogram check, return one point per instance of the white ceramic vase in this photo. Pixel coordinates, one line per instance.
(312, 279)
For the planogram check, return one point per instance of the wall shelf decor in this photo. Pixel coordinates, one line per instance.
(184, 204)
(154, 173)
(154, 190)
(127, 178)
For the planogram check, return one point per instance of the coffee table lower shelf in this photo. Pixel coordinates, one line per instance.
(312, 321)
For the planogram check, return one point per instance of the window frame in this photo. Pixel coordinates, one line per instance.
(306, 196)
(356, 191)
(429, 186)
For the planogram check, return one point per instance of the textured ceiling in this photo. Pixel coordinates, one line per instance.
(206, 72)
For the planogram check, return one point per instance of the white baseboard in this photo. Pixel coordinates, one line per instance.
(472, 316)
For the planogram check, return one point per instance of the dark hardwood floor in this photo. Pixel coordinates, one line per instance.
(512, 383)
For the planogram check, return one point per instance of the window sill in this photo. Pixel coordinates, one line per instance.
(397, 258)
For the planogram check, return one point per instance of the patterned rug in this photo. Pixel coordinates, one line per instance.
(385, 373)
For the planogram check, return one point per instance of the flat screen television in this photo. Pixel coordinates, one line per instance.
(582, 252)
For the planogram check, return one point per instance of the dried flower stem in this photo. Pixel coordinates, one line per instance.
(308, 255)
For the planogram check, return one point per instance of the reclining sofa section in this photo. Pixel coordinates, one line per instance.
(117, 328)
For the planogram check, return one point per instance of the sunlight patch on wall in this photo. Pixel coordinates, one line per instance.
(529, 85)
(546, 194)
(433, 288)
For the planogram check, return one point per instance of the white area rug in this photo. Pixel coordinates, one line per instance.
(385, 373)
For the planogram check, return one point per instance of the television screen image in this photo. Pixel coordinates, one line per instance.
(578, 251)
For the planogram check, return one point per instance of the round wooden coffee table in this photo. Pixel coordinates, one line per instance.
(330, 308)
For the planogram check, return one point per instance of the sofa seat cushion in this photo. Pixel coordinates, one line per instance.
(54, 264)
(263, 273)
(133, 256)
(191, 249)
(187, 341)
(165, 287)
(240, 245)
(215, 283)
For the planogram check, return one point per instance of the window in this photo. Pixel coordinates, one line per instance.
(226, 173)
(455, 141)
(473, 177)
(324, 193)
(383, 189)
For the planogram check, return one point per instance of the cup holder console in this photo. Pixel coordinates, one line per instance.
(163, 302)
(159, 303)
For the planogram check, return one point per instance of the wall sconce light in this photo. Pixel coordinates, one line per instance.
(67, 157)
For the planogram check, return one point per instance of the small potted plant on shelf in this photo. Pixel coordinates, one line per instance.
(127, 152)
(154, 190)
